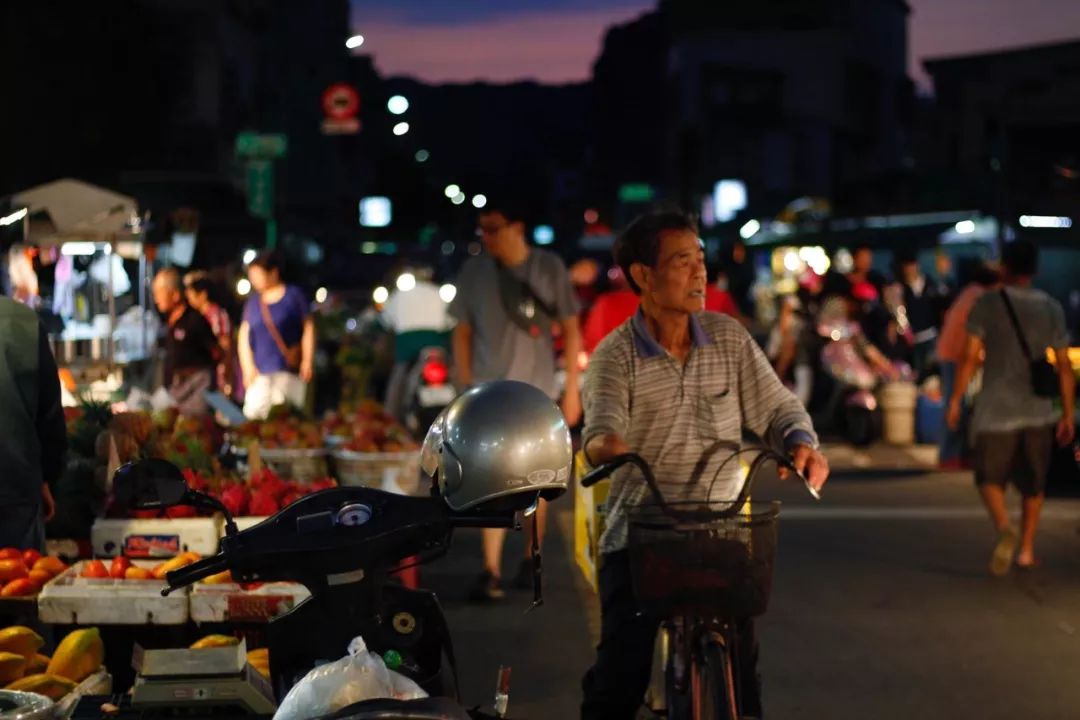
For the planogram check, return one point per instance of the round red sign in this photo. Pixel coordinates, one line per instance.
(340, 101)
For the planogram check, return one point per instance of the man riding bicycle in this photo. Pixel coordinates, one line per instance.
(677, 386)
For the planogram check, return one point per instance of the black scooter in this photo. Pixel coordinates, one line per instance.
(341, 544)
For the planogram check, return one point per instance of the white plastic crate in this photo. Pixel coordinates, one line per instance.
(155, 538)
(73, 600)
(229, 602)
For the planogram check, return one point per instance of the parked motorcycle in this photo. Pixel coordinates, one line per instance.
(343, 543)
(428, 389)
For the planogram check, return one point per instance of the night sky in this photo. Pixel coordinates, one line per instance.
(557, 40)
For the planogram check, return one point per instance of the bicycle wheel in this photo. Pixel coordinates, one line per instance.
(712, 683)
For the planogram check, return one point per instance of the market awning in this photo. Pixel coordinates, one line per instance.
(69, 209)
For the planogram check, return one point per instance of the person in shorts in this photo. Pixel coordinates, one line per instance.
(1014, 428)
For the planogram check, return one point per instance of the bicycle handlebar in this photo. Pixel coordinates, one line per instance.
(766, 454)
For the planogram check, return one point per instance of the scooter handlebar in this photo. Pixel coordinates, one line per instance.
(194, 572)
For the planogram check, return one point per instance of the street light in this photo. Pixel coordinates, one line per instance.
(452, 191)
(380, 295)
(354, 42)
(458, 199)
(406, 282)
(320, 295)
(401, 128)
(447, 292)
(397, 105)
(479, 201)
(422, 155)
(249, 256)
(243, 286)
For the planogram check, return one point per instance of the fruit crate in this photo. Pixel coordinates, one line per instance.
(70, 599)
(155, 537)
(395, 471)
(300, 464)
(230, 602)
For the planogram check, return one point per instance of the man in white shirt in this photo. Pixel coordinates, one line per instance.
(419, 319)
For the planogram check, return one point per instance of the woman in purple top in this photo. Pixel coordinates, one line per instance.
(276, 342)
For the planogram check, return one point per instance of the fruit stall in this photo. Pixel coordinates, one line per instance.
(77, 616)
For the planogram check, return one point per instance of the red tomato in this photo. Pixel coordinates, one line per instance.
(95, 569)
(118, 567)
(30, 557)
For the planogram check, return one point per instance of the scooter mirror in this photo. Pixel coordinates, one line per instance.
(150, 483)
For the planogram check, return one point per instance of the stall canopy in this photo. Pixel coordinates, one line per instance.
(72, 210)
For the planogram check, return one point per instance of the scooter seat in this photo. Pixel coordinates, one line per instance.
(432, 708)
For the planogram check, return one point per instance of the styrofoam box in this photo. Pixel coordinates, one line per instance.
(73, 600)
(229, 602)
(155, 538)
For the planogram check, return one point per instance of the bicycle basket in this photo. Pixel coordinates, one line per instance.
(712, 567)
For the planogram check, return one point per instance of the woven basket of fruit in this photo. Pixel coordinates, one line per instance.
(300, 464)
(394, 471)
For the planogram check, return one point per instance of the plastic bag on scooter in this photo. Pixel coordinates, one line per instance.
(360, 675)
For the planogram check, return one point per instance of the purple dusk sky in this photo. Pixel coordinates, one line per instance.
(557, 40)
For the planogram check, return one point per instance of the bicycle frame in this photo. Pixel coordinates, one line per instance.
(697, 654)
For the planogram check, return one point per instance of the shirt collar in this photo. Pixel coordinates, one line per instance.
(647, 347)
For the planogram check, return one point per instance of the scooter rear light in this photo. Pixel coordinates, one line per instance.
(435, 372)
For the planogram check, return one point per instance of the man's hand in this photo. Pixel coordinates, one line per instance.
(1066, 431)
(571, 406)
(952, 415)
(811, 464)
(48, 505)
(307, 371)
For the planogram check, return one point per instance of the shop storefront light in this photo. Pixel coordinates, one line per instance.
(406, 282)
(243, 287)
(380, 295)
(447, 292)
(1045, 221)
(13, 217)
(320, 295)
(749, 229)
(78, 248)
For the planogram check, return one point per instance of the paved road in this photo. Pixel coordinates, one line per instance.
(882, 608)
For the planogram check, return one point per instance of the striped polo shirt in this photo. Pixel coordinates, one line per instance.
(687, 419)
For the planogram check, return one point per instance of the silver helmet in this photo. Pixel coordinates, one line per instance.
(496, 446)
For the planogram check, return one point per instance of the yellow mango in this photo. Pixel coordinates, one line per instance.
(12, 667)
(48, 685)
(21, 641)
(215, 641)
(78, 656)
(38, 664)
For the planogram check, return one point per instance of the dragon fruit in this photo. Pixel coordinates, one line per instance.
(263, 503)
(235, 498)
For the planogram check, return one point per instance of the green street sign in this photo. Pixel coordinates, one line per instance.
(636, 193)
(250, 144)
(260, 188)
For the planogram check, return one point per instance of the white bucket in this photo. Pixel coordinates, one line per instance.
(898, 408)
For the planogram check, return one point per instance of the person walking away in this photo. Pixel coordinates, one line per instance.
(197, 291)
(740, 275)
(951, 346)
(1015, 426)
(508, 302)
(418, 318)
(610, 310)
(32, 422)
(673, 384)
(191, 350)
(276, 342)
(918, 302)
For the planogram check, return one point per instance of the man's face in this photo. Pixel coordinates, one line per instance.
(863, 260)
(909, 271)
(498, 234)
(679, 278)
(166, 297)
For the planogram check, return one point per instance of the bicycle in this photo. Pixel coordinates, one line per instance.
(700, 566)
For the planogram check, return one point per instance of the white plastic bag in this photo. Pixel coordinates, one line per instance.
(360, 675)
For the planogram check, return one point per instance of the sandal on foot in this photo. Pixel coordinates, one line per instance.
(1002, 558)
